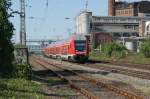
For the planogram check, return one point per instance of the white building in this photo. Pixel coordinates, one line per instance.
(147, 28)
(83, 21)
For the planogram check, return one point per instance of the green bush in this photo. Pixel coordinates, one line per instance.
(94, 53)
(114, 49)
(145, 49)
(23, 71)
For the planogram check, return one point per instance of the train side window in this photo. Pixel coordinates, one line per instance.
(68, 46)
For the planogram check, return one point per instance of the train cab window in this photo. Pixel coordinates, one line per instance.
(80, 45)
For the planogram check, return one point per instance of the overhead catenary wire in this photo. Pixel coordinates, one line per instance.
(41, 18)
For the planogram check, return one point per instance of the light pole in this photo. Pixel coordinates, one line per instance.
(68, 29)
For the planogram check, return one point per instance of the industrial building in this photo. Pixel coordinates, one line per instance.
(117, 26)
(126, 23)
(123, 8)
(126, 30)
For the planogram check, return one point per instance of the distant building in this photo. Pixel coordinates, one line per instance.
(35, 48)
(123, 8)
(36, 45)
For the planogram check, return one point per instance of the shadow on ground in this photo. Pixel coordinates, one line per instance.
(52, 81)
(45, 76)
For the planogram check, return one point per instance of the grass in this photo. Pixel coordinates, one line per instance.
(99, 57)
(131, 58)
(137, 58)
(16, 88)
(20, 89)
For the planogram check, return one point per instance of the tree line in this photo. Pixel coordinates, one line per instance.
(6, 33)
(8, 66)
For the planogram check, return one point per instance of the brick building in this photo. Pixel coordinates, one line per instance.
(99, 39)
(122, 8)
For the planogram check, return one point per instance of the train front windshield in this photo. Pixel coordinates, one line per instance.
(80, 45)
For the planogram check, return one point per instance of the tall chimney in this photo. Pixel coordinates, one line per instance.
(111, 7)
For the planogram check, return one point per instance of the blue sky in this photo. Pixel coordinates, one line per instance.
(50, 22)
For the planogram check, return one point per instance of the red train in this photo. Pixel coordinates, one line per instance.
(73, 49)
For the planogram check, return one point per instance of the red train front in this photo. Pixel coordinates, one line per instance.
(73, 49)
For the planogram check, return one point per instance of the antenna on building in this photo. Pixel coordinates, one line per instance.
(47, 3)
(86, 5)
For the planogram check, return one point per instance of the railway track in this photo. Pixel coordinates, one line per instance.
(87, 86)
(139, 66)
(62, 75)
(124, 64)
(129, 72)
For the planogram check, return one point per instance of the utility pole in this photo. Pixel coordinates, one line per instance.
(22, 23)
(22, 51)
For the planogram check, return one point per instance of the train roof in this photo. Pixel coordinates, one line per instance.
(73, 37)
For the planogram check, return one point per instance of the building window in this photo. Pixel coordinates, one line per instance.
(148, 27)
(116, 35)
(126, 34)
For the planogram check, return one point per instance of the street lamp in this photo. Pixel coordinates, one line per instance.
(67, 18)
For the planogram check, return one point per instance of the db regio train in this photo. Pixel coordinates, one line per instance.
(73, 49)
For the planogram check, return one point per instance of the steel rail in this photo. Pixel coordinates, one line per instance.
(134, 73)
(82, 90)
(132, 65)
(117, 90)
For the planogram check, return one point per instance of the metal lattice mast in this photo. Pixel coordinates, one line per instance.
(22, 23)
(23, 49)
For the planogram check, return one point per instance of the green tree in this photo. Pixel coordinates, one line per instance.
(6, 32)
(145, 49)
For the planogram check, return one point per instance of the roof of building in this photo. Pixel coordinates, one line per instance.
(124, 5)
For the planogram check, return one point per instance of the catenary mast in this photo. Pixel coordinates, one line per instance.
(23, 50)
(22, 23)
